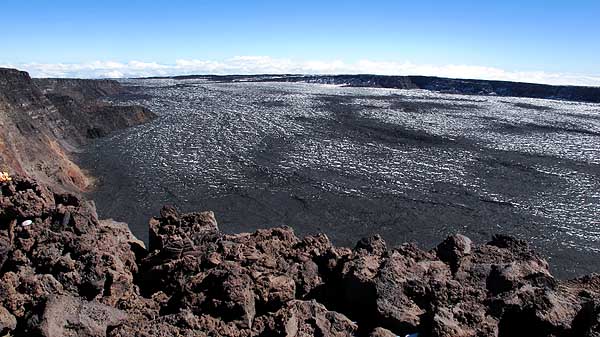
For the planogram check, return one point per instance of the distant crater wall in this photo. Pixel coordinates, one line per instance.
(437, 84)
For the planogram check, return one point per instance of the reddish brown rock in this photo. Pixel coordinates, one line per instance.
(453, 249)
(70, 274)
(381, 332)
(66, 316)
(8, 322)
(304, 319)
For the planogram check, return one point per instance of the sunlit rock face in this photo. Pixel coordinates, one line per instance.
(352, 162)
(43, 121)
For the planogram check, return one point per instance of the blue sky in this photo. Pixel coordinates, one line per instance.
(547, 41)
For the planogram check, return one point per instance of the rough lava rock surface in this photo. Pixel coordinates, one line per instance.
(70, 274)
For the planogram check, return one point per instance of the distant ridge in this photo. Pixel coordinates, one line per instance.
(432, 83)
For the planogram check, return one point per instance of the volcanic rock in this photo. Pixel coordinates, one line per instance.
(431, 83)
(304, 319)
(381, 332)
(70, 274)
(8, 322)
(71, 316)
(40, 129)
(453, 249)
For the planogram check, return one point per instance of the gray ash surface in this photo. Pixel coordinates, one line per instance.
(411, 165)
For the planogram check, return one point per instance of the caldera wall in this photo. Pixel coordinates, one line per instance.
(39, 129)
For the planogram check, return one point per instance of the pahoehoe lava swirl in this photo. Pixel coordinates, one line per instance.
(412, 165)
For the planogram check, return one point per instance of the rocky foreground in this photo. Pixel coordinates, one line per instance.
(69, 274)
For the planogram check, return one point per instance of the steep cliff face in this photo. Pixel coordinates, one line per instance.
(505, 88)
(81, 104)
(97, 119)
(32, 133)
(80, 89)
(40, 127)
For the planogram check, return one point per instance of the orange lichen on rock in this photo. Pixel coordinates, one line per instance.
(5, 177)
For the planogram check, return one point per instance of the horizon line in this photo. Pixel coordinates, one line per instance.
(303, 75)
(265, 65)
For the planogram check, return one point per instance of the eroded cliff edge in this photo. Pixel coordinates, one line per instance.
(69, 274)
(43, 121)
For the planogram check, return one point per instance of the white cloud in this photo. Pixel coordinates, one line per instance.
(113, 74)
(269, 65)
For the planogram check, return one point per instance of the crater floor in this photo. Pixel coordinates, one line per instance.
(411, 165)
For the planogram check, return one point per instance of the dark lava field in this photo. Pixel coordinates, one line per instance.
(411, 165)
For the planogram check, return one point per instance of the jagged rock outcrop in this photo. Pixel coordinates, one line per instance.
(66, 256)
(39, 129)
(194, 280)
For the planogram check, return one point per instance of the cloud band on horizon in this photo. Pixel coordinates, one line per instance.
(268, 65)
